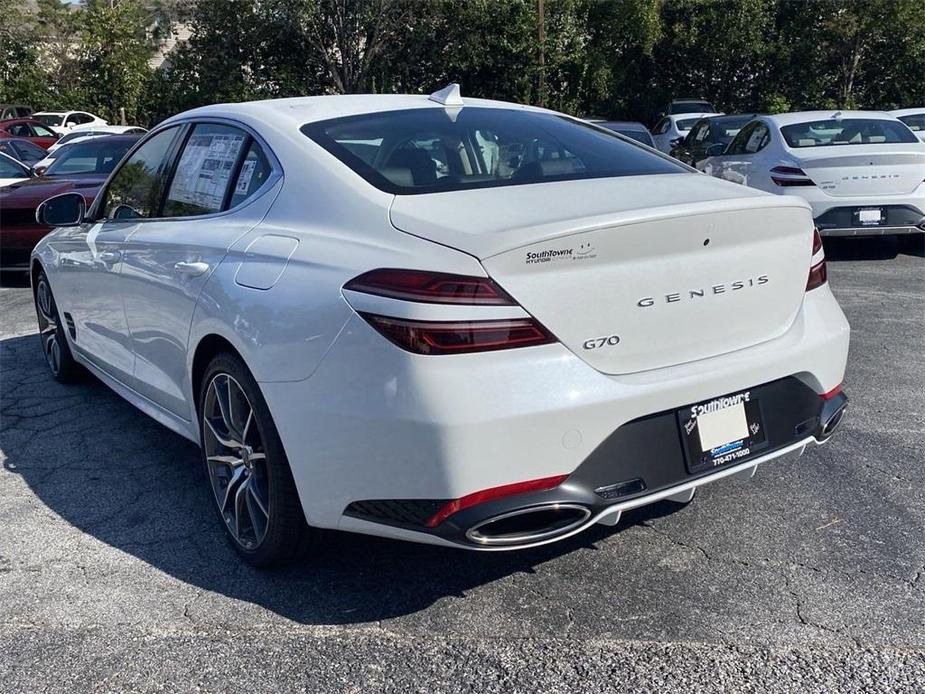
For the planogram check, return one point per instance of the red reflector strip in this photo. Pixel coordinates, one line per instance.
(431, 287)
(828, 395)
(493, 494)
(439, 337)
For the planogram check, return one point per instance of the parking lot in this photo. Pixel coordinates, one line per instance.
(810, 577)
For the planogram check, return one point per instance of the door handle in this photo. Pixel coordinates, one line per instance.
(109, 256)
(192, 269)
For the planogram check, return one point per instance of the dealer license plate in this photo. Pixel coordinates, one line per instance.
(722, 431)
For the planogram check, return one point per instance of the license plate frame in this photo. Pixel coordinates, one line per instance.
(864, 217)
(727, 453)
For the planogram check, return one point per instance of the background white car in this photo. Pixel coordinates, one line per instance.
(914, 118)
(62, 121)
(40, 167)
(863, 172)
(79, 131)
(462, 322)
(12, 171)
(672, 128)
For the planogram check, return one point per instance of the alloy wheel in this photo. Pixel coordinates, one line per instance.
(236, 461)
(48, 326)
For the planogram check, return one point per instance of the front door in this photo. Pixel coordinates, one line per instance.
(92, 258)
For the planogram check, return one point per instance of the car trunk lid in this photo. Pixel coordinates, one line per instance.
(647, 276)
(865, 170)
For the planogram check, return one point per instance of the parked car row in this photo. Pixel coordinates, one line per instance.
(862, 172)
(46, 153)
(79, 166)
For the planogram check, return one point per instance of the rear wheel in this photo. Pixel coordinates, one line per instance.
(248, 472)
(51, 332)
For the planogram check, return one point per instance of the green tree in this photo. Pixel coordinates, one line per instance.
(21, 78)
(114, 51)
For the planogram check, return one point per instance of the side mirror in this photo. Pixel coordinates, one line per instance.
(676, 141)
(65, 210)
(39, 170)
(715, 150)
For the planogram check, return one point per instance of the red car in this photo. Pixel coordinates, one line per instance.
(30, 129)
(83, 168)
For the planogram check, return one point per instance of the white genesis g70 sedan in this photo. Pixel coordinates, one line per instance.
(863, 172)
(461, 322)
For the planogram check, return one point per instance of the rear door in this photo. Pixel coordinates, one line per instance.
(217, 171)
(737, 162)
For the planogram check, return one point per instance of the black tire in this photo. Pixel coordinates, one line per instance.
(52, 335)
(286, 536)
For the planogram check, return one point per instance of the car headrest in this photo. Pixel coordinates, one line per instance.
(422, 167)
(399, 175)
(557, 167)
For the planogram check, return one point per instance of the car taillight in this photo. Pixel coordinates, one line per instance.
(431, 287)
(790, 176)
(817, 272)
(462, 334)
(460, 337)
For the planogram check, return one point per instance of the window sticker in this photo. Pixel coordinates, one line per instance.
(205, 168)
(247, 173)
(754, 141)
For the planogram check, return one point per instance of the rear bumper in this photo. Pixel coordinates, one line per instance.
(376, 423)
(904, 214)
(641, 462)
(898, 219)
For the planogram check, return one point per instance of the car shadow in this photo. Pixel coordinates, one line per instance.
(873, 247)
(110, 471)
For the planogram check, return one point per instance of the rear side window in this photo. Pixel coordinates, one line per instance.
(136, 188)
(210, 158)
(433, 149)
(846, 131)
(255, 170)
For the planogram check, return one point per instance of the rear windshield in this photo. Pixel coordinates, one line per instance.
(48, 118)
(846, 131)
(915, 122)
(98, 156)
(433, 149)
(638, 135)
(686, 123)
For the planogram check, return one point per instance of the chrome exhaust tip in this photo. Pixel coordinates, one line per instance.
(528, 525)
(831, 424)
(831, 421)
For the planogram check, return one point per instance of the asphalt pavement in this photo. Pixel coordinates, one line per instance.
(114, 575)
